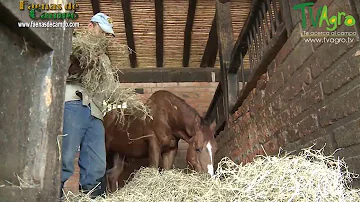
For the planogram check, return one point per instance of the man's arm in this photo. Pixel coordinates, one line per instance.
(100, 97)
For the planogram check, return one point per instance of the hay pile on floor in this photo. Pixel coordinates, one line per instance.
(310, 176)
(98, 76)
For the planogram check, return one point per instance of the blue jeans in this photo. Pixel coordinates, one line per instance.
(80, 128)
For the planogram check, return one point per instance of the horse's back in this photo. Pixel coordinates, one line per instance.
(128, 137)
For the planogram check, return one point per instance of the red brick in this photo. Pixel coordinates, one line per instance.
(261, 83)
(188, 84)
(128, 85)
(283, 53)
(284, 117)
(296, 85)
(259, 100)
(326, 55)
(272, 68)
(341, 107)
(342, 74)
(348, 134)
(278, 102)
(263, 134)
(274, 84)
(272, 146)
(296, 58)
(306, 101)
(292, 134)
(172, 84)
(144, 85)
(308, 125)
(206, 84)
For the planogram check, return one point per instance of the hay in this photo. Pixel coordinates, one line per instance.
(98, 77)
(310, 176)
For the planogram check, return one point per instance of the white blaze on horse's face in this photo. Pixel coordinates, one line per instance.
(210, 167)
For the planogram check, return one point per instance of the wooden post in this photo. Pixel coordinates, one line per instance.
(229, 81)
(159, 15)
(125, 4)
(209, 56)
(95, 6)
(188, 31)
(286, 16)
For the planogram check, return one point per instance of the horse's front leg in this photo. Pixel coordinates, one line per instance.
(154, 153)
(115, 172)
(168, 158)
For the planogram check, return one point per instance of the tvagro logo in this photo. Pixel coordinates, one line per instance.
(50, 11)
(322, 16)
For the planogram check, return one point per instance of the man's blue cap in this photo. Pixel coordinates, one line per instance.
(104, 21)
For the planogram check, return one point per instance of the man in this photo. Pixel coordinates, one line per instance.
(83, 126)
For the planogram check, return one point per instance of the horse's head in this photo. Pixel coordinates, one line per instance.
(202, 148)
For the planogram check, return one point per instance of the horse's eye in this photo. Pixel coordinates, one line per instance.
(198, 150)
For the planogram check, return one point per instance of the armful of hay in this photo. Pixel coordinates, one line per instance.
(98, 76)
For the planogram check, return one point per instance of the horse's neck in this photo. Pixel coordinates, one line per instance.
(188, 121)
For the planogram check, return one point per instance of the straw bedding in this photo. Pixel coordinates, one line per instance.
(97, 73)
(309, 176)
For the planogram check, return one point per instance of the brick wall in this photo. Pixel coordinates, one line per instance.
(196, 94)
(310, 94)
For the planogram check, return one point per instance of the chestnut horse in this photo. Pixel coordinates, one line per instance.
(157, 138)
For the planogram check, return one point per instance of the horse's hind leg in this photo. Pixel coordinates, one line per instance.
(115, 171)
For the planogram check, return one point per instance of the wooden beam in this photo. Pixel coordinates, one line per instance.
(158, 75)
(211, 49)
(188, 31)
(159, 15)
(129, 32)
(229, 82)
(95, 6)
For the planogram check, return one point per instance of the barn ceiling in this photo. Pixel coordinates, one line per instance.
(141, 15)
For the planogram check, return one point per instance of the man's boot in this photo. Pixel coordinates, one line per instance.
(61, 191)
(97, 190)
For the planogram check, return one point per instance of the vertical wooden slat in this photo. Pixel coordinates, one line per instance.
(188, 31)
(262, 33)
(249, 40)
(211, 49)
(159, 15)
(129, 32)
(251, 49)
(267, 30)
(242, 70)
(276, 13)
(256, 52)
(268, 4)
